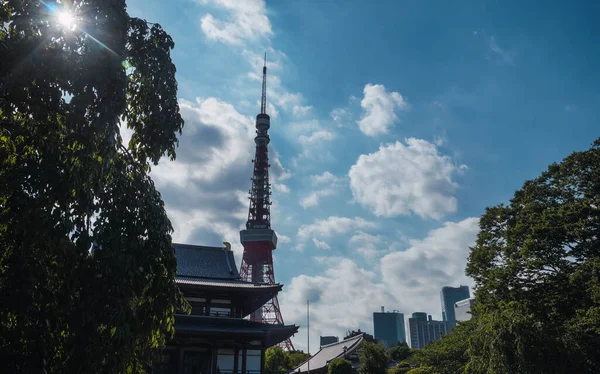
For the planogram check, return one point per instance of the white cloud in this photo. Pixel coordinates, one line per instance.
(326, 178)
(316, 137)
(246, 21)
(321, 244)
(327, 184)
(342, 298)
(366, 244)
(507, 57)
(282, 239)
(409, 281)
(333, 226)
(380, 107)
(398, 179)
(300, 111)
(340, 116)
(310, 201)
(280, 187)
(418, 273)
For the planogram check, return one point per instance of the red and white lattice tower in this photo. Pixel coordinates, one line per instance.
(258, 239)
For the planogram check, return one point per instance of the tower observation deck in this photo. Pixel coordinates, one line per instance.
(258, 239)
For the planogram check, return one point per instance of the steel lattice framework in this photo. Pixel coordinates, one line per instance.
(259, 240)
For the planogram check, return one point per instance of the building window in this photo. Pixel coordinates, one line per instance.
(225, 361)
(217, 311)
(253, 361)
(196, 362)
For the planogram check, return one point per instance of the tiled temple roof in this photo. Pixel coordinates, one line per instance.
(329, 352)
(205, 262)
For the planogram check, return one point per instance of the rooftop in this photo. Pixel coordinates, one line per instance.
(329, 352)
(196, 261)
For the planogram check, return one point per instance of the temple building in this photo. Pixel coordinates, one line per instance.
(216, 337)
(346, 349)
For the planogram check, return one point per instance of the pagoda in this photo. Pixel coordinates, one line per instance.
(215, 337)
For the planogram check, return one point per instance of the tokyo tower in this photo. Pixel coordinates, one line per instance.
(258, 239)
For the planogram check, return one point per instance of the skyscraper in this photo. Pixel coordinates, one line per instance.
(423, 329)
(389, 327)
(449, 296)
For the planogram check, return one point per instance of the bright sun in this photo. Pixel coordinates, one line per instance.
(66, 19)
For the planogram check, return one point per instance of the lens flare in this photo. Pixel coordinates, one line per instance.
(66, 19)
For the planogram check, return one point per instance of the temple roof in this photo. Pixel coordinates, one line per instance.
(205, 262)
(329, 352)
(225, 328)
(225, 283)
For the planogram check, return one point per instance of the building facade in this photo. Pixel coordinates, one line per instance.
(215, 337)
(449, 296)
(423, 329)
(389, 327)
(462, 309)
(326, 340)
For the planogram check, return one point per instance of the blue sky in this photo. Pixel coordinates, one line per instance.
(394, 124)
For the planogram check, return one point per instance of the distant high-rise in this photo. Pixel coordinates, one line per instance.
(462, 309)
(449, 296)
(423, 329)
(326, 340)
(389, 327)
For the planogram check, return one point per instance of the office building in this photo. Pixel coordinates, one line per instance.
(449, 296)
(462, 309)
(423, 329)
(326, 340)
(389, 327)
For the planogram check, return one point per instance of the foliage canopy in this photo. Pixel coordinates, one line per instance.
(536, 263)
(86, 264)
(277, 361)
(372, 358)
(399, 352)
(339, 366)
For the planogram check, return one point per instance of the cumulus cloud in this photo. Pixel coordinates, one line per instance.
(366, 244)
(325, 185)
(321, 244)
(342, 298)
(316, 137)
(419, 272)
(399, 178)
(300, 111)
(333, 226)
(409, 281)
(245, 21)
(379, 109)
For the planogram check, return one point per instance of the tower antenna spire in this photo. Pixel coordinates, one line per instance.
(263, 99)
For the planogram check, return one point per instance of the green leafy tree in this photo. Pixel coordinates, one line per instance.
(399, 352)
(536, 263)
(297, 358)
(449, 354)
(400, 368)
(277, 361)
(372, 358)
(422, 370)
(339, 366)
(86, 264)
